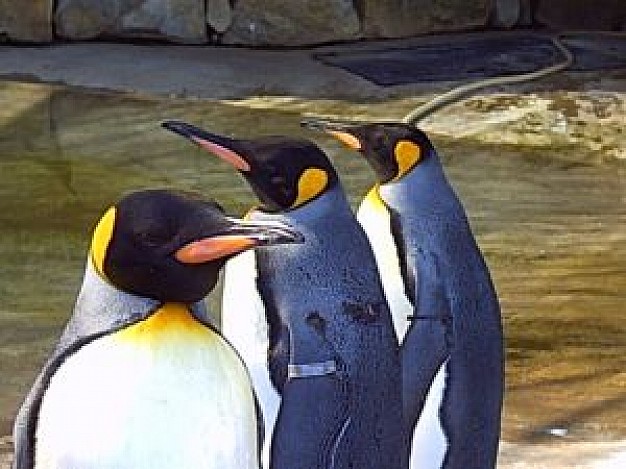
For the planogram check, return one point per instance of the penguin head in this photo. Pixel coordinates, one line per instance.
(170, 246)
(392, 149)
(284, 173)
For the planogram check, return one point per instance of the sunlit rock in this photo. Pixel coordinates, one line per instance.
(33, 23)
(175, 20)
(279, 22)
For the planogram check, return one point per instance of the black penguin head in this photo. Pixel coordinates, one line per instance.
(284, 173)
(170, 246)
(392, 149)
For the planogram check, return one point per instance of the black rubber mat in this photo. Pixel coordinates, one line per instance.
(475, 58)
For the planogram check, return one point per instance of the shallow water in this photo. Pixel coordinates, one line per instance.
(551, 221)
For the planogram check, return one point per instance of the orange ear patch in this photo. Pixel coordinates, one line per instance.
(312, 182)
(407, 155)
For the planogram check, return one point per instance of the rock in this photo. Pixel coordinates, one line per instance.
(77, 19)
(219, 14)
(175, 20)
(526, 17)
(401, 18)
(292, 23)
(381, 19)
(605, 15)
(506, 13)
(31, 23)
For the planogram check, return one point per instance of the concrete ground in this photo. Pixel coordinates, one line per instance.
(284, 76)
(235, 73)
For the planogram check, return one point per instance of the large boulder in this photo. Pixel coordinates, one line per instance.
(174, 20)
(606, 15)
(292, 23)
(32, 22)
(400, 18)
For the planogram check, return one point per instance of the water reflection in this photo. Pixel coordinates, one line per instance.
(550, 223)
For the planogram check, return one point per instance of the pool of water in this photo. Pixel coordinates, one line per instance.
(551, 221)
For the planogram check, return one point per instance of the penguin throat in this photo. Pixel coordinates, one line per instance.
(100, 273)
(169, 320)
(385, 171)
(375, 199)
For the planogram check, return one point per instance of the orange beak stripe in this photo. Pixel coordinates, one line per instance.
(225, 154)
(209, 249)
(347, 139)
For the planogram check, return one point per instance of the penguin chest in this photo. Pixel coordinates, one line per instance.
(374, 217)
(244, 324)
(167, 392)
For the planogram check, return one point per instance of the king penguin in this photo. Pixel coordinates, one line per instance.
(325, 341)
(139, 378)
(445, 308)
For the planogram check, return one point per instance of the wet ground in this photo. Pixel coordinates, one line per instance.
(541, 171)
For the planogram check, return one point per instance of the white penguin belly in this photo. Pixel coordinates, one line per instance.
(429, 443)
(374, 217)
(244, 324)
(167, 392)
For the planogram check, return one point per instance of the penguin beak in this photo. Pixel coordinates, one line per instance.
(340, 130)
(236, 237)
(220, 146)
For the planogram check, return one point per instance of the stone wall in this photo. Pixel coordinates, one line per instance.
(175, 20)
(290, 22)
(401, 18)
(26, 24)
(608, 15)
(295, 22)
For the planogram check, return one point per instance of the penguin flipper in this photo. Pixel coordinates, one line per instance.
(23, 453)
(426, 345)
(314, 373)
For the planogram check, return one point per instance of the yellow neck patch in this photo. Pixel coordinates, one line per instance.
(172, 321)
(407, 155)
(374, 200)
(311, 183)
(101, 238)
